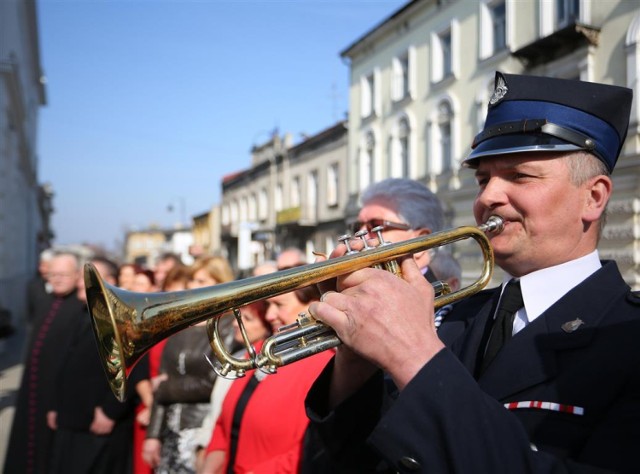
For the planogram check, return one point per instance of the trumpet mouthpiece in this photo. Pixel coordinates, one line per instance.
(494, 225)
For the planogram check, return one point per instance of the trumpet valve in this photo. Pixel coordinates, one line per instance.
(344, 239)
(362, 235)
(441, 288)
(225, 370)
(392, 265)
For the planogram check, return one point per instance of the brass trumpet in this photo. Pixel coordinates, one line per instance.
(127, 324)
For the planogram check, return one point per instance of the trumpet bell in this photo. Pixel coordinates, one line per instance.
(106, 328)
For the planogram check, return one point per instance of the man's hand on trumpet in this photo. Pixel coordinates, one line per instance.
(383, 321)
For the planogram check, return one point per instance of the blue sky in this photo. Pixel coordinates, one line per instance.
(151, 103)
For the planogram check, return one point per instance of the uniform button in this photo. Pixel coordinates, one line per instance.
(409, 463)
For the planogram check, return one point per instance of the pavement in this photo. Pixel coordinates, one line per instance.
(11, 351)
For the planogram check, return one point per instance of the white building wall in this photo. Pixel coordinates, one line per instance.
(604, 57)
(21, 96)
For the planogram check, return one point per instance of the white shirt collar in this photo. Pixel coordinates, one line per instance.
(542, 288)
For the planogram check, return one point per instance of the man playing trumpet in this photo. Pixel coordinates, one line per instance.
(543, 373)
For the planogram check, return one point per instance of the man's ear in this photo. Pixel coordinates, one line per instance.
(598, 191)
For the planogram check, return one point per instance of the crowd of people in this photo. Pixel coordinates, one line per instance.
(178, 416)
(540, 374)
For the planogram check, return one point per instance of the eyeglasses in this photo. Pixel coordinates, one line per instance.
(373, 223)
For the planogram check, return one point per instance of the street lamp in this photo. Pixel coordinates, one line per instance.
(171, 208)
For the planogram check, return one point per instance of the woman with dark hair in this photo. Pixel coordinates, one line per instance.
(144, 281)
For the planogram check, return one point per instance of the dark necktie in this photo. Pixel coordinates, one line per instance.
(510, 302)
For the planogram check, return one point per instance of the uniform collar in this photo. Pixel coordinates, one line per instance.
(542, 288)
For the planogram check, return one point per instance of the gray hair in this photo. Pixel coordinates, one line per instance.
(411, 200)
(582, 167)
(46, 255)
(68, 253)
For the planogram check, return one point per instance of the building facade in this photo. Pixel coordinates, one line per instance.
(143, 247)
(292, 196)
(421, 79)
(206, 233)
(25, 204)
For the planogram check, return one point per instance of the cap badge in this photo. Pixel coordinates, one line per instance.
(499, 92)
(571, 326)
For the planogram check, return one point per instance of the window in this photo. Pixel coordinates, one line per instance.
(400, 152)
(445, 52)
(557, 14)
(567, 12)
(225, 214)
(367, 85)
(295, 192)
(332, 184)
(329, 244)
(445, 116)
(499, 23)
(263, 204)
(442, 53)
(493, 27)
(234, 212)
(277, 204)
(312, 195)
(253, 208)
(401, 85)
(480, 105)
(243, 209)
(366, 161)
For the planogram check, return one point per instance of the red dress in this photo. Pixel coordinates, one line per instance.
(274, 421)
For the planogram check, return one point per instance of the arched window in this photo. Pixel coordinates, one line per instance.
(295, 192)
(401, 151)
(366, 160)
(278, 198)
(312, 196)
(445, 119)
(263, 204)
(253, 207)
(234, 211)
(333, 176)
(225, 215)
(244, 207)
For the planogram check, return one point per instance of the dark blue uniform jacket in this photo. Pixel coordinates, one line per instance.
(578, 388)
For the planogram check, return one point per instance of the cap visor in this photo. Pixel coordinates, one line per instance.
(507, 144)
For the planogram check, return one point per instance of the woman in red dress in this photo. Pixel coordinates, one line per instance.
(267, 435)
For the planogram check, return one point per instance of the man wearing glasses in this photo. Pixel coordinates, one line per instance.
(405, 209)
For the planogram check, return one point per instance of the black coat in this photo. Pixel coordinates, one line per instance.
(29, 448)
(445, 421)
(81, 384)
(79, 387)
(38, 299)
